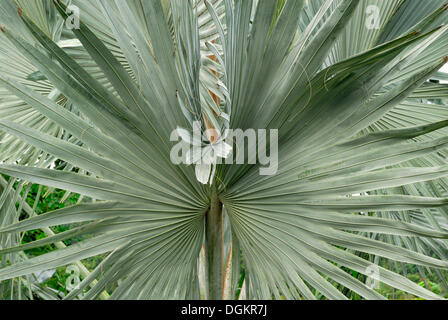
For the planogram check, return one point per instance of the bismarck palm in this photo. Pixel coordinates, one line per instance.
(362, 170)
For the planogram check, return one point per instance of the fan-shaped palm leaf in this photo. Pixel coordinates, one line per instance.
(358, 170)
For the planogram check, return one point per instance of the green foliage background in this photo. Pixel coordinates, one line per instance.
(53, 199)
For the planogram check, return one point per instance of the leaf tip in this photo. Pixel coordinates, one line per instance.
(57, 3)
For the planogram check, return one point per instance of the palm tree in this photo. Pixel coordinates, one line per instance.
(362, 146)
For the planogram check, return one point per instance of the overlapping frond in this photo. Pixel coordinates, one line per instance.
(361, 152)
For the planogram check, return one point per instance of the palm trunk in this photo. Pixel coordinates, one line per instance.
(214, 241)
